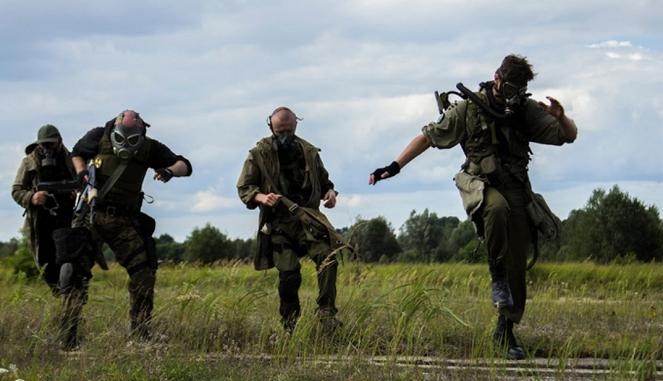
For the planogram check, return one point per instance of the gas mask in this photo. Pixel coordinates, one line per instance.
(285, 142)
(126, 141)
(512, 95)
(48, 152)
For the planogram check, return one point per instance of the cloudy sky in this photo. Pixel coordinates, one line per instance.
(361, 73)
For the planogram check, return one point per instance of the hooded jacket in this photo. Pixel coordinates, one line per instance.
(251, 182)
(25, 183)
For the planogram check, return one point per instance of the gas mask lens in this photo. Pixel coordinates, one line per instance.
(119, 139)
(133, 140)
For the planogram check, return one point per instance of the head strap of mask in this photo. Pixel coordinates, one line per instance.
(512, 94)
(128, 134)
(269, 118)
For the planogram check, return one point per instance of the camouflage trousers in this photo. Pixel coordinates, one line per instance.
(289, 245)
(508, 235)
(129, 248)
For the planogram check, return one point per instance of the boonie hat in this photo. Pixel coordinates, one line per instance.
(48, 134)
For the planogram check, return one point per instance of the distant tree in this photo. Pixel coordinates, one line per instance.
(207, 245)
(462, 234)
(7, 249)
(374, 240)
(614, 225)
(422, 236)
(244, 248)
(471, 254)
(169, 249)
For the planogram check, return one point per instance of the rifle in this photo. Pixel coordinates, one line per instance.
(88, 196)
(58, 187)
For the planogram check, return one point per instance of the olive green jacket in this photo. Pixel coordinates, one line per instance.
(465, 124)
(252, 181)
(25, 183)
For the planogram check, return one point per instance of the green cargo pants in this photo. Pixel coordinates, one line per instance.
(289, 244)
(508, 234)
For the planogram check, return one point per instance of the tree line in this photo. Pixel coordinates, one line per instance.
(611, 228)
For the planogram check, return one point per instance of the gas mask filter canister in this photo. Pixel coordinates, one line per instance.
(48, 153)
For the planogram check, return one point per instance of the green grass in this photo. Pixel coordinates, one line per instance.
(222, 323)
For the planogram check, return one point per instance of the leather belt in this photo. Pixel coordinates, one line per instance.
(115, 210)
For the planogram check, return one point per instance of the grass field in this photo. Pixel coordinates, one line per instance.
(402, 322)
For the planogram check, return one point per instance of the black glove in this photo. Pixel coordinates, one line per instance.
(393, 169)
(165, 173)
(80, 177)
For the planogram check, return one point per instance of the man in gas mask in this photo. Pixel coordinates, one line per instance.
(494, 127)
(121, 154)
(47, 160)
(282, 175)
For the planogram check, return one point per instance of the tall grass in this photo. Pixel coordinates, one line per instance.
(222, 322)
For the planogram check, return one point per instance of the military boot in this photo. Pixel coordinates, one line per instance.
(141, 330)
(500, 284)
(290, 322)
(68, 332)
(504, 338)
(328, 320)
(70, 338)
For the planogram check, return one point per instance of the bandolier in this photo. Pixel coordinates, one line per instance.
(127, 190)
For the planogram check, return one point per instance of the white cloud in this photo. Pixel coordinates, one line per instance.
(611, 44)
(210, 200)
(362, 74)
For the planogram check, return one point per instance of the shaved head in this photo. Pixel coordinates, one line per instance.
(283, 121)
(284, 115)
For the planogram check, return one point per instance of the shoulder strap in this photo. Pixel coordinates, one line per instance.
(113, 178)
(292, 207)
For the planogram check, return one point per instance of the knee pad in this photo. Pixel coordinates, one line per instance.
(289, 283)
(72, 276)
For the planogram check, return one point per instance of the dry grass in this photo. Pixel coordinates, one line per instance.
(222, 322)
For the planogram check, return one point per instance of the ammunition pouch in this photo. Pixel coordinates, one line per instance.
(491, 168)
(543, 218)
(315, 231)
(145, 226)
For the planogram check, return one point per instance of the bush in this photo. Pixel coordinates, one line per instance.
(23, 262)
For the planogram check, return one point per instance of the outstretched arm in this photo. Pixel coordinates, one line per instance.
(416, 147)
